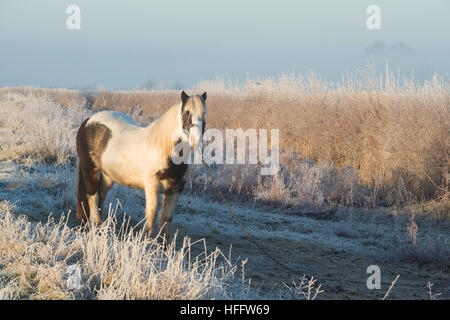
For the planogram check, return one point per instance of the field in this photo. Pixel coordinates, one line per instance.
(363, 181)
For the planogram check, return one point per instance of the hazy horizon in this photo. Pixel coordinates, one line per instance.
(172, 44)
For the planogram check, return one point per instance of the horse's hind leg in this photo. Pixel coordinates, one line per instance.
(104, 185)
(169, 201)
(91, 141)
(92, 183)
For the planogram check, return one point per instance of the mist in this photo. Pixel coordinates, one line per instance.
(172, 44)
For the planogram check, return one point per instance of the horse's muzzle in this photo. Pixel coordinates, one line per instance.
(195, 134)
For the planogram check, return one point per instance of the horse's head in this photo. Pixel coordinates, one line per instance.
(193, 117)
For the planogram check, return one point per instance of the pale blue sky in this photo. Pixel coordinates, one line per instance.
(123, 43)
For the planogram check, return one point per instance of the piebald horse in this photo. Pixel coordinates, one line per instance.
(112, 147)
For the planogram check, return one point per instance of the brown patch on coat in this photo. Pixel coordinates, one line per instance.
(174, 174)
(92, 140)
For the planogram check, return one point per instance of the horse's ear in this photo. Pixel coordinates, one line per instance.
(184, 97)
(204, 96)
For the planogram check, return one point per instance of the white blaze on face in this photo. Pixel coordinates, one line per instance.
(195, 133)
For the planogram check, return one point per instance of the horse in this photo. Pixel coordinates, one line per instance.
(113, 148)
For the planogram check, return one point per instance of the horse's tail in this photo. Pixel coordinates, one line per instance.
(82, 204)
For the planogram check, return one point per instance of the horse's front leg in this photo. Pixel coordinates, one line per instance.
(169, 201)
(104, 185)
(151, 205)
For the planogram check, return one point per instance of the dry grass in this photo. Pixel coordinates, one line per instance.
(374, 139)
(63, 97)
(396, 137)
(115, 263)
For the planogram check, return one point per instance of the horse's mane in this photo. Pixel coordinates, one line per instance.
(161, 130)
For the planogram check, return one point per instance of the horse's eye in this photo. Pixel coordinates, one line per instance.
(187, 120)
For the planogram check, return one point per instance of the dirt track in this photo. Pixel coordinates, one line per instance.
(336, 250)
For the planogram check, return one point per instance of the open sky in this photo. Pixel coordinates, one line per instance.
(175, 43)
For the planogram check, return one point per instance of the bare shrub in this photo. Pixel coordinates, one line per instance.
(431, 294)
(299, 183)
(36, 129)
(306, 289)
(420, 249)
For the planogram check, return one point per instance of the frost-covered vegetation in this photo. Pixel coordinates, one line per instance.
(364, 172)
(370, 140)
(113, 263)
